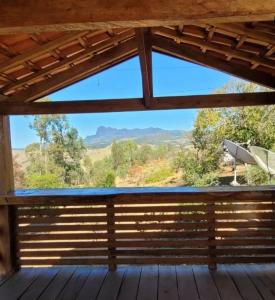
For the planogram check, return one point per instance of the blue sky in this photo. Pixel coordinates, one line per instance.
(172, 77)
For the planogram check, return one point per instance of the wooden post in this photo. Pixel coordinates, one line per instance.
(212, 236)
(8, 258)
(111, 236)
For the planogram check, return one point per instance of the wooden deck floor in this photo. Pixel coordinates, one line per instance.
(236, 282)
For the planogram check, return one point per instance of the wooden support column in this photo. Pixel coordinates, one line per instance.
(145, 57)
(212, 237)
(111, 234)
(8, 259)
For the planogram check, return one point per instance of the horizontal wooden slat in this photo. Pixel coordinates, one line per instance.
(118, 236)
(146, 261)
(145, 226)
(63, 261)
(145, 209)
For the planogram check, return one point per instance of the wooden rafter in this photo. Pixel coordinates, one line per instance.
(77, 72)
(229, 52)
(143, 36)
(88, 51)
(35, 52)
(157, 103)
(194, 55)
(249, 32)
(63, 15)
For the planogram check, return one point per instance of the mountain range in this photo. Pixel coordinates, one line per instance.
(154, 136)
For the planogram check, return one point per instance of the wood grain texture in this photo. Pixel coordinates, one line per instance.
(66, 15)
(8, 262)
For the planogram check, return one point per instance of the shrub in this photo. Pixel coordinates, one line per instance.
(256, 176)
(159, 175)
(44, 181)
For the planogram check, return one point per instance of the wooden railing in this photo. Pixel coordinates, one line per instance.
(145, 227)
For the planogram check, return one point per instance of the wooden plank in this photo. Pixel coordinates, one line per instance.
(243, 283)
(63, 262)
(167, 283)
(13, 288)
(143, 36)
(75, 284)
(187, 287)
(206, 286)
(44, 278)
(146, 226)
(63, 253)
(148, 285)
(225, 285)
(111, 236)
(266, 276)
(253, 275)
(116, 105)
(136, 196)
(8, 261)
(77, 72)
(93, 284)
(15, 16)
(39, 212)
(56, 286)
(191, 53)
(111, 285)
(130, 284)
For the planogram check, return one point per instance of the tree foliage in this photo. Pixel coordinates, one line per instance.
(59, 152)
(254, 125)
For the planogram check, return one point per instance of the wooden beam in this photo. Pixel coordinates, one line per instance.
(60, 15)
(143, 36)
(157, 103)
(8, 260)
(77, 72)
(192, 54)
(39, 50)
(125, 195)
(252, 58)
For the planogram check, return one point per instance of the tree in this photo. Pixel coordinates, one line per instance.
(59, 152)
(99, 173)
(19, 174)
(255, 125)
(123, 156)
(144, 154)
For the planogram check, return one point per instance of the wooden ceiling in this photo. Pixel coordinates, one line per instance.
(32, 65)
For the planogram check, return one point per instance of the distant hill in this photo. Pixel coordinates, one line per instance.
(154, 136)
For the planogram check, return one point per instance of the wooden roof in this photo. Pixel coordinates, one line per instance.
(33, 65)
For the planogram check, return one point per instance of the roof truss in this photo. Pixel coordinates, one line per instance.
(36, 65)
